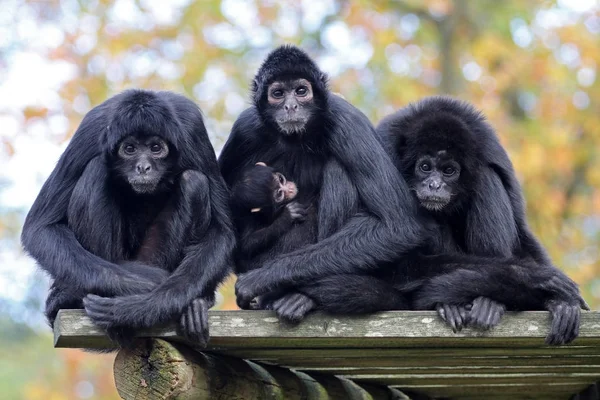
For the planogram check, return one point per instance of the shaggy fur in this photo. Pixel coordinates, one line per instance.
(340, 169)
(148, 255)
(481, 252)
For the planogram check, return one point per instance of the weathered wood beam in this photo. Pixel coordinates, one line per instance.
(413, 351)
(261, 329)
(156, 369)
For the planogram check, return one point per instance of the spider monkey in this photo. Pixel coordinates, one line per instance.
(270, 222)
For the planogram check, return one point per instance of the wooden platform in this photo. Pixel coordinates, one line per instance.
(408, 351)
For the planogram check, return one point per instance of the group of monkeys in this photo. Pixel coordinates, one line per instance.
(313, 207)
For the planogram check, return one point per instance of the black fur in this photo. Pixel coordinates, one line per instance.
(480, 251)
(272, 231)
(89, 233)
(288, 62)
(365, 215)
(255, 190)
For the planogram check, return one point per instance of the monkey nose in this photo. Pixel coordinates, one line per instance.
(434, 185)
(288, 107)
(143, 168)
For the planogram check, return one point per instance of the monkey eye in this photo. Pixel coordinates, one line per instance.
(280, 178)
(425, 167)
(449, 171)
(129, 149)
(279, 195)
(155, 148)
(302, 91)
(277, 93)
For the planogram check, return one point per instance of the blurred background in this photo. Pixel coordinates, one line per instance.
(531, 66)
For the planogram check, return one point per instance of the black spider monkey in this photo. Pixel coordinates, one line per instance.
(480, 258)
(265, 213)
(133, 222)
(270, 223)
(331, 151)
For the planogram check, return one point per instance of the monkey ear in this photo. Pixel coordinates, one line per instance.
(261, 163)
(253, 210)
(254, 85)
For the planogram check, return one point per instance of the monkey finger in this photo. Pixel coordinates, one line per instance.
(451, 317)
(464, 315)
(458, 316)
(566, 328)
(97, 299)
(293, 307)
(96, 305)
(584, 305)
(497, 315)
(555, 335)
(199, 321)
(191, 326)
(441, 312)
(479, 313)
(575, 323)
(486, 313)
(204, 325)
(183, 326)
(571, 326)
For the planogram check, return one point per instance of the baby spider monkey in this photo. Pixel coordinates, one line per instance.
(269, 221)
(265, 213)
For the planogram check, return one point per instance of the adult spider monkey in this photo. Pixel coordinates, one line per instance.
(480, 256)
(330, 150)
(133, 222)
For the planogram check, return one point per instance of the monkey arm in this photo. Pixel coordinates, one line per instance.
(255, 241)
(78, 178)
(206, 262)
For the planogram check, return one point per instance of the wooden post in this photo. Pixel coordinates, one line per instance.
(156, 369)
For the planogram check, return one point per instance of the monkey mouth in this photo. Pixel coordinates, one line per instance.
(433, 203)
(292, 192)
(142, 186)
(292, 125)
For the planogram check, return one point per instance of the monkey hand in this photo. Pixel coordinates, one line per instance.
(453, 315)
(125, 311)
(193, 324)
(485, 313)
(297, 211)
(565, 322)
(252, 284)
(293, 307)
(140, 277)
(101, 310)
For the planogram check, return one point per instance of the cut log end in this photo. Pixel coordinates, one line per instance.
(153, 369)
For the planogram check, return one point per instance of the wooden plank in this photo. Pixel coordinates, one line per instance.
(466, 370)
(441, 362)
(280, 354)
(409, 350)
(499, 391)
(387, 329)
(402, 380)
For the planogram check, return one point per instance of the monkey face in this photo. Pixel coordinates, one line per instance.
(143, 162)
(435, 180)
(291, 104)
(284, 190)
